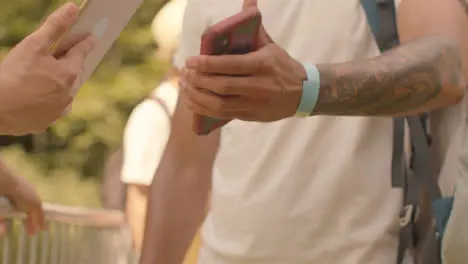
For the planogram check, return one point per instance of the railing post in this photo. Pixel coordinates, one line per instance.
(74, 236)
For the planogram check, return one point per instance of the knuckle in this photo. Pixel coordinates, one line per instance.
(219, 106)
(63, 97)
(32, 41)
(191, 105)
(56, 21)
(69, 76)
(279, 87)
(276, 81)
(72, 75)
(183, 83)
(266, 63)
(225, 86)
(226, 89)
(193, 77)
(203, 63)
(88, 45)
(30, 64)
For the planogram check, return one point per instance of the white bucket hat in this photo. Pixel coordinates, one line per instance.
(166, 28)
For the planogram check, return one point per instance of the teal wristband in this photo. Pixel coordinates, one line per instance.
(310, 90)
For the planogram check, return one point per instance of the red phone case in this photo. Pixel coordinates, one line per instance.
(237, 34)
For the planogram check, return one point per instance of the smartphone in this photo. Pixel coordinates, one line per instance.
(237, 34)
(105, 19)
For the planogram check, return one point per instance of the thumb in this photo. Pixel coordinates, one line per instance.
(263, 35)
(56, 25)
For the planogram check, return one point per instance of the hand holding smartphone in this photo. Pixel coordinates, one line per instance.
(237, 34)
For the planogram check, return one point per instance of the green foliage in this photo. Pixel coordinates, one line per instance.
(82, 140)
(63, 185)
(78, 145)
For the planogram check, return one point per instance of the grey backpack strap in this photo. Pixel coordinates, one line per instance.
(423, 165)
(381, 15)
(382, 20)
(424, 173)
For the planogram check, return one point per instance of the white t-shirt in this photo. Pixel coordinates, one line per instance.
(301, 191)
(146, 135)
(455, 241)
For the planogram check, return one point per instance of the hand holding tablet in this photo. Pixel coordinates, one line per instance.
(104, 19)
(34, 86)
(41, 75)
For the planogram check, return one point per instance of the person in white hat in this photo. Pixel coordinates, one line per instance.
(166, 28)
(148, 127)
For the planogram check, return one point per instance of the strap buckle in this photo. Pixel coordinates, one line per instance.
(407, 215)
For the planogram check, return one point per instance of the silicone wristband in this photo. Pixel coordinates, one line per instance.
(310, 90)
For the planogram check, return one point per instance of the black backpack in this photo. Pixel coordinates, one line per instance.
(424, 212)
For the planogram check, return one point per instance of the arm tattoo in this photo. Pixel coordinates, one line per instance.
(395, 83)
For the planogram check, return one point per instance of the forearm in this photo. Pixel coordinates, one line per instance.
(176, 210)
(423, 75)
(179, 192)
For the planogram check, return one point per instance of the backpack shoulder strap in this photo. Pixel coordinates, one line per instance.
(381, 16)
(162, 103)
(382, 20)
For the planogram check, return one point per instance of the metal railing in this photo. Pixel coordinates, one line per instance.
(74, 236)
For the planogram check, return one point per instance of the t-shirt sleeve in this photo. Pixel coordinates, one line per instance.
(193, 26)
(145, 138)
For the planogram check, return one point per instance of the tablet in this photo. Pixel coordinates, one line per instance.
(105, 19)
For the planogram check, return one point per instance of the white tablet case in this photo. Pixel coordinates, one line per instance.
(103, 18)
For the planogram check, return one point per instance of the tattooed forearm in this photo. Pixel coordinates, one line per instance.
(420, 76)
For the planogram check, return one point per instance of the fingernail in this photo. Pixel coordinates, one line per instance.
(71, 9)
(191, 62)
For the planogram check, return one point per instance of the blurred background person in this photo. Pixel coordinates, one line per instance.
(149, 125)
(65, 164)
